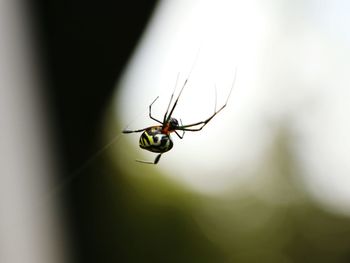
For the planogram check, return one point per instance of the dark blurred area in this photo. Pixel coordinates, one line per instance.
(84, 47)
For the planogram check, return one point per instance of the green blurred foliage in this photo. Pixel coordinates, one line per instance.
(134, 214)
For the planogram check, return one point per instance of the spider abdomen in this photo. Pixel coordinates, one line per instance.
(152, 139)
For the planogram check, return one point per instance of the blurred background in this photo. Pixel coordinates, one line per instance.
(267, 180)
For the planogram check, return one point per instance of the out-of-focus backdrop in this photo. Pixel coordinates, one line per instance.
(267, 180)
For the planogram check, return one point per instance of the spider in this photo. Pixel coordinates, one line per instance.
(157, 138)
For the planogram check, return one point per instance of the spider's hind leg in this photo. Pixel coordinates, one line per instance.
(156, 160)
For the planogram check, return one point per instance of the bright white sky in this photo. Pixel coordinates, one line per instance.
(292, 59)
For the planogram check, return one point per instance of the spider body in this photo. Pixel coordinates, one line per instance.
(157, 138)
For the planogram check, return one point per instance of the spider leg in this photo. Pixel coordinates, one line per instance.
(183, 132)
(156, 160)
(167, 118)
(150, 115)
(180, 136)
(205, 122)
(171, 99)
(132, 131)
(150, 111)
(166, 115)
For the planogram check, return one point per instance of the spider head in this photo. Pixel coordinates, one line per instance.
(173, 124)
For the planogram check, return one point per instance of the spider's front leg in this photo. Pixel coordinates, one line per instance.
(150, 111)
(183, 132)
(201, 124)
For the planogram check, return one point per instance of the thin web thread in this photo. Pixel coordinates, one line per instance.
(75, 174)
